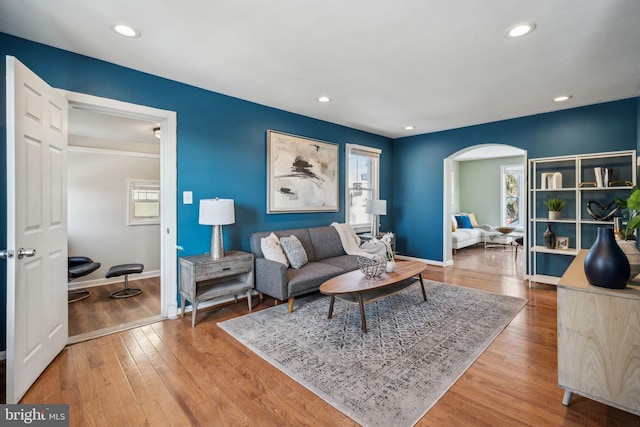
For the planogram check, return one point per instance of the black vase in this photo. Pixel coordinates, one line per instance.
(549, 238)
(606, 265)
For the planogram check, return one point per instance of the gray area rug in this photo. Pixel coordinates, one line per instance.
(413, 353)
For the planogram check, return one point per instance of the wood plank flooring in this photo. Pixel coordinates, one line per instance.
(169, 374)
(100, 311)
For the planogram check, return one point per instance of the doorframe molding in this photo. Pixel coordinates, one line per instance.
(168, 183)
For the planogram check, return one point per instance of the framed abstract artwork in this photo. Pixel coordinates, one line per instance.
(302, 174)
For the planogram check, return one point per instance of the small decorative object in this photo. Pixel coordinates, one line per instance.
(551, 180)
(606, 265)
(505, 230)
(549, 238)
(602, 215)
(391, 265)
(603, 176)
(562, 242)
(372, 267)
(617, 228)
(555, 206)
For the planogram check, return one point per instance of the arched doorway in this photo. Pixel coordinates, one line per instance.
(451, 189)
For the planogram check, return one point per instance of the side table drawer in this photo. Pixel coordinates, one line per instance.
(223, 269)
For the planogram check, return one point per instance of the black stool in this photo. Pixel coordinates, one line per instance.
(125, 270)
(79, 266)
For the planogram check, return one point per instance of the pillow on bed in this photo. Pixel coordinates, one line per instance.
(463, 221)
(272, 250)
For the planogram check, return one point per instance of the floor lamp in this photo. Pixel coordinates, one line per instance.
(216, 212)
(376, 208)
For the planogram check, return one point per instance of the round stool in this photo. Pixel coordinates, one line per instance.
(125, 270)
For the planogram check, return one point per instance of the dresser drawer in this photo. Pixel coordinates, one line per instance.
(223, 268)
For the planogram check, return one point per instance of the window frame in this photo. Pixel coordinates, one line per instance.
(373, 153)
(134, 184)
(504, 170)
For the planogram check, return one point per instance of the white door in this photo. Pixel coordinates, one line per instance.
(36, 227)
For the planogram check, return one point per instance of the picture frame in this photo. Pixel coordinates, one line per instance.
(562, 242)
(302, 174)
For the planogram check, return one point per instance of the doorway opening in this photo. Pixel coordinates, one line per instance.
(487, 165)
(120, 141)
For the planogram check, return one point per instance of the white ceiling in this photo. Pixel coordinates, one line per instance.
(434, 64)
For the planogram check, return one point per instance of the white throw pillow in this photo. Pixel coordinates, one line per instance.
(272, 250)
(295, 252)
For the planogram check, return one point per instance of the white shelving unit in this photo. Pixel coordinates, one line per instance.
(577, 188)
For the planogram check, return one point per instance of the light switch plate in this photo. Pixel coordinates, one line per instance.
(187, 197)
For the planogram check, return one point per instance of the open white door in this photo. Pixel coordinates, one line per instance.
(37, 328)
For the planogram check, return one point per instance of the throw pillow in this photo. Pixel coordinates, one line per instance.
(454, 223)
(272, 250)
(472, 217)
(295, 251)
(464, 221)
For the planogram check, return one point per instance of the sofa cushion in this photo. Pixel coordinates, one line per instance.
(344, 262)
(326, 242)
(272, 250)
(310, 277)
(301, 233)
(294, 251)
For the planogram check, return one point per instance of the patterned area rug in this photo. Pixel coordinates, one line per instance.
(413, 353)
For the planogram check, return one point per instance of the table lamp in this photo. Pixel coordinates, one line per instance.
(216, 212)
(376, 208)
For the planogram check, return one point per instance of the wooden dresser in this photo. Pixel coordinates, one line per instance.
(598, 340)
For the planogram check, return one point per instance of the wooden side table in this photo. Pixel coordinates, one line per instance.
(203, 278)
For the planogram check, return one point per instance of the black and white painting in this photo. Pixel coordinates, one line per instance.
(302, 174)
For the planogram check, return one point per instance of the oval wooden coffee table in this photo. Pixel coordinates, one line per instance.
(355, 287)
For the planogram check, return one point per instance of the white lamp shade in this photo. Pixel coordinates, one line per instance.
(376, 207)
(216, 212)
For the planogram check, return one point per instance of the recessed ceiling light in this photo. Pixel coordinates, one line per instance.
(562, 98)
(324, 99)
(125, 30)
(521, 29)
(409, 127)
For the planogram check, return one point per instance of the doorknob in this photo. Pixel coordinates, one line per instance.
(22, 252)
(6, 253)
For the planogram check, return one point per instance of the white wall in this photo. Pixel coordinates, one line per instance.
(97, 206)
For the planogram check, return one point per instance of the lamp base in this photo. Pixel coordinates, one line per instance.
(375, 226)
(217, 249)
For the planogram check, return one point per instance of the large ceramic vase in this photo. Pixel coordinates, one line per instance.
(606, 265)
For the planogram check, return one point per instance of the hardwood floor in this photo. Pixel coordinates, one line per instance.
(100, 311)
(168, 373)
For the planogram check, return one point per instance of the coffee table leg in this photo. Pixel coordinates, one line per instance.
(333, 298)
(364, 320)
(424, 293)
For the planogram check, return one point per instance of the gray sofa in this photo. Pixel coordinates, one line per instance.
(327, 259)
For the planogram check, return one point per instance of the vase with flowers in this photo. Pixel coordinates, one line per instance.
(391, 262)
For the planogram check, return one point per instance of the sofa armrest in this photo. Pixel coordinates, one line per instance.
(271, 278)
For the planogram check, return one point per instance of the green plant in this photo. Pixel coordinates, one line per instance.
(555, 204)
(630, 208)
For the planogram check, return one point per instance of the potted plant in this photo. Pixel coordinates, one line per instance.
(630, 208)
(555, 206)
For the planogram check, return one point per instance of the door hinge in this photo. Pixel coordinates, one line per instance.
(6, 253)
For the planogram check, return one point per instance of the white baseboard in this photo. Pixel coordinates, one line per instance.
(101, 282)
(426, 261)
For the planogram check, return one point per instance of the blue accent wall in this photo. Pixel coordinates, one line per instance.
(418, 161)
(221, 144)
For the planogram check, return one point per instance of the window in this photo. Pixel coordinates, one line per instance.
(511, 198)
(363, 170)
(144, 202)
